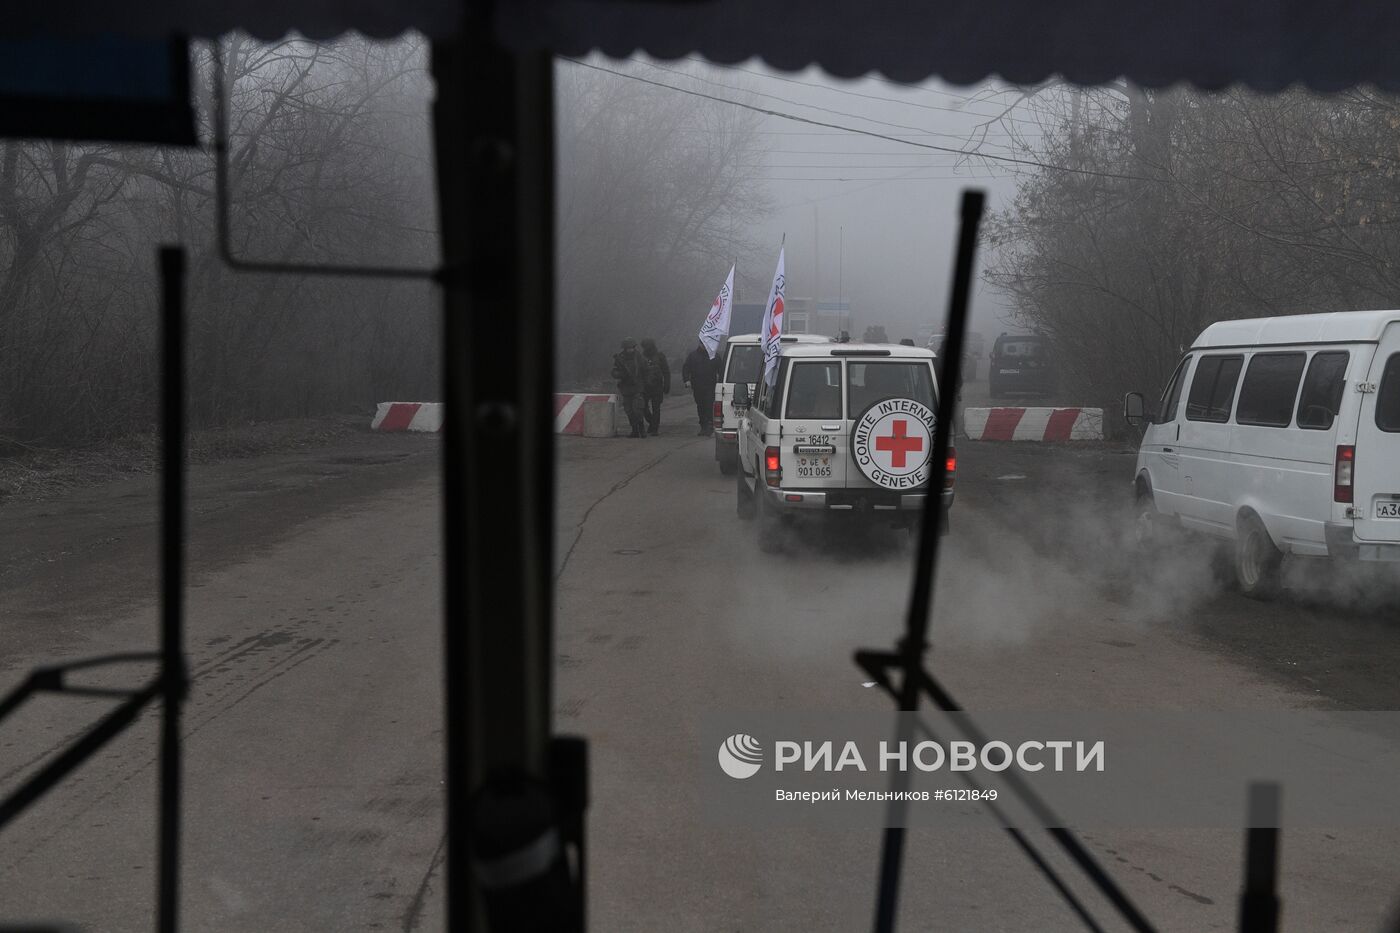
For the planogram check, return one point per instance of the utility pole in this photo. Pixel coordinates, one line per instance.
(844, 317)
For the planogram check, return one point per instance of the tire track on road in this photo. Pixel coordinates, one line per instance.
(414, 915)
(245, 646)
(616, 487)
(130, 761)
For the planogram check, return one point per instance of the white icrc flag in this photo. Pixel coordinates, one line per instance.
(773, 323)
(716, 326)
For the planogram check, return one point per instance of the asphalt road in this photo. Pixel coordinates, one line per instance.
(314, 797)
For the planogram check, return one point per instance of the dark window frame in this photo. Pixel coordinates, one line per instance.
(798, 366)
(1390, 371)
(729, 361)
(1220, 359)
(770, 401)
(1171, 394)
(1288, 410)
(852, 412)
(1307, 384)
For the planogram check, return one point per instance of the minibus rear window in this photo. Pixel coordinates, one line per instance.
(1388, 399)
(1270, 386)
(1321, 399)
(1213, 388)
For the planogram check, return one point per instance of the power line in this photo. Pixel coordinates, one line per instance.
(841, 90)
(1012, 160)
(798, 103)
(867, 165)
(844, 152)
(1004, 133)
(889, 178)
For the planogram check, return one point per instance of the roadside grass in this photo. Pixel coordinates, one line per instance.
(34, 473)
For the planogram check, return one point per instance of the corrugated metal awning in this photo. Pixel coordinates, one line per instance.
(1266, 44)
(205, 19)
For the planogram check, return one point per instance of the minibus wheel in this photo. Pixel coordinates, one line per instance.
(1149, 528)
(1257, 560)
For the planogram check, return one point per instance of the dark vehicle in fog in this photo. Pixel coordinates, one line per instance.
(973, 348)
(1021, 364)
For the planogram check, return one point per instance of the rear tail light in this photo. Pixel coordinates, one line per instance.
(1344, 474)
(773, 466)
(719, 411)
(950, 468)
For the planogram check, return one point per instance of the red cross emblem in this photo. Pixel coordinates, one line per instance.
(899, 444)
(777, 317)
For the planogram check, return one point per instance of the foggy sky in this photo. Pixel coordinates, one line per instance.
(888, 245)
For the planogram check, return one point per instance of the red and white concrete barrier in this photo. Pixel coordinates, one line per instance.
(407, 416)
(1033, 424)
(568, 410)
(427, 416)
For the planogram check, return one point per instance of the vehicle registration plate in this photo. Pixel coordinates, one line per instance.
(1388, 509)
(813, 467)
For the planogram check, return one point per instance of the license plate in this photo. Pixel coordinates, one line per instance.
(813, 467)
(1388, 509)
(1010, 372)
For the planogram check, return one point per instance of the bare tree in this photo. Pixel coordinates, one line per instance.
(329, 162)
(656, 192)
(1164, 211)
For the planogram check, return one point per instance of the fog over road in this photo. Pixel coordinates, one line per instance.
(313, 755)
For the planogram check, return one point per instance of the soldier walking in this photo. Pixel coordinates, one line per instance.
(656, 383)
(698, 372)
(628, 370)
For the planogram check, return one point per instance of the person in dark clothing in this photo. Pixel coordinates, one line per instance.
(698, 372)
(629, 373)
(656, 383)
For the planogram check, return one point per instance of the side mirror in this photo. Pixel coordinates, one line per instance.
(741, 399)
(1134, 409)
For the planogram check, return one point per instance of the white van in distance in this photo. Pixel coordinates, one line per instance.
(1282, 436)
(741, 362)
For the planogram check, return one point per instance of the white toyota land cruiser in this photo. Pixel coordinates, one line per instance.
(847, 428)
(741, 361)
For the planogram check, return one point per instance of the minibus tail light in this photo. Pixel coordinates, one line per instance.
(950, 472)
(1344, 474)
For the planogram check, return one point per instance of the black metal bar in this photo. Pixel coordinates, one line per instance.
(107, 728)
(1056, 882)
(52, 679)
(1259, 903)
(35, 682)
(494, 150)
(950, 378)
(173, 675)
(914, 643)
(1025, 845)
(450, 138)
